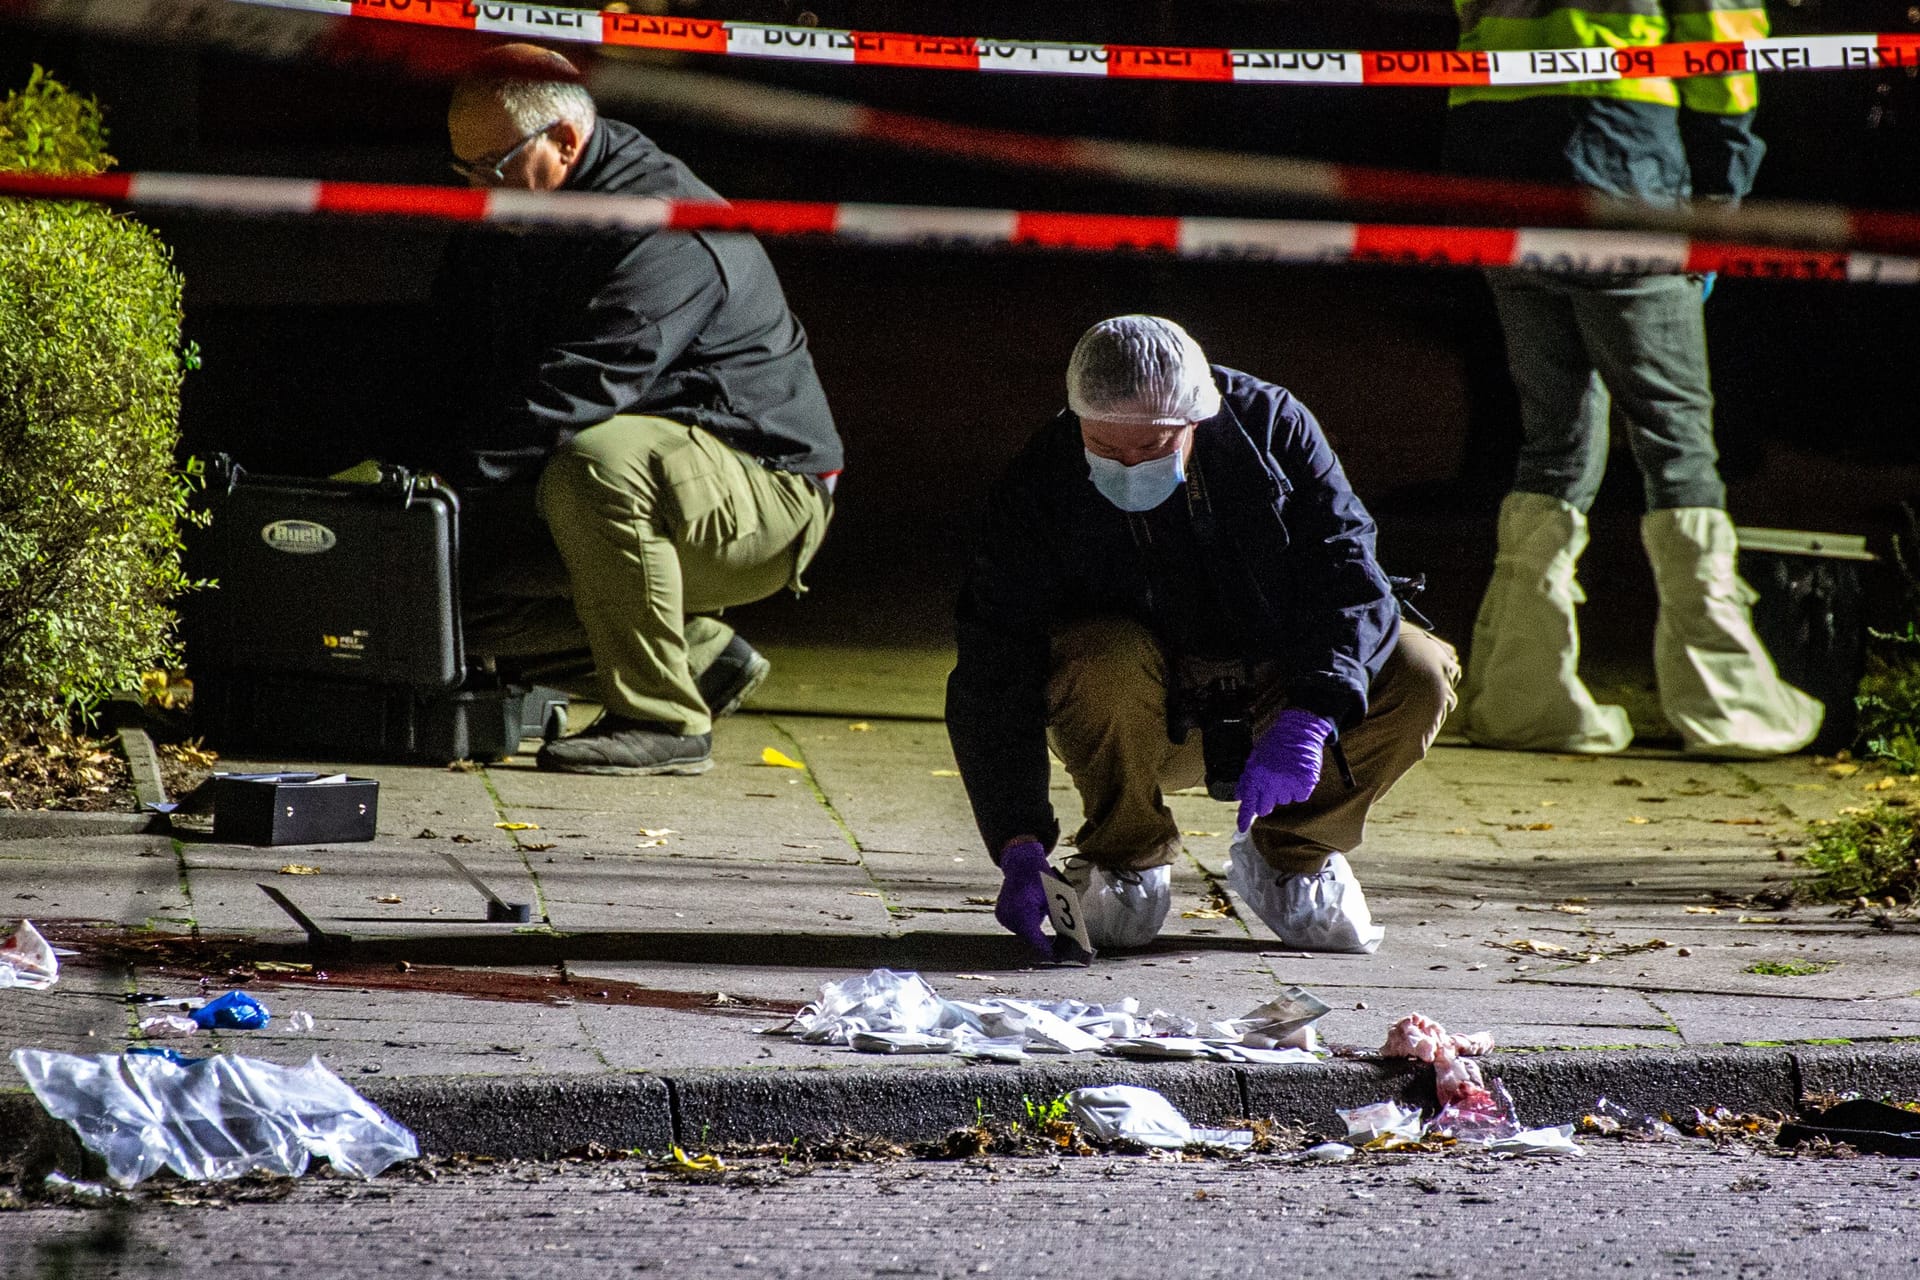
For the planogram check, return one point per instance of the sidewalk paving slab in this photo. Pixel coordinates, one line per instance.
(706, 907)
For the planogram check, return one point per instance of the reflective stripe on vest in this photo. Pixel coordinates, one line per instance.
(1515, 25)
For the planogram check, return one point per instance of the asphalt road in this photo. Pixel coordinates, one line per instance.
(1620, 1210)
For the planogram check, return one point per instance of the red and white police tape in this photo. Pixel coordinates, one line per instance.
(1415, 67)
(763, 110)
(732, 103)
(921, 226)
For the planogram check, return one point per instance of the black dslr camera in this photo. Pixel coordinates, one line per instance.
(1221, 708)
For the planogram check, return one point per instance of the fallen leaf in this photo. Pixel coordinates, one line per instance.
(976, 902)
(1199, 833)
(1529, 826)
(779, 760)
(1459, 831)
(1204, 913)
(462, 839)
(427, 833)
(1885, 784)
(1570, 909)
(699, 1164)
(1762, 920)
(299, 869)
(1628, 782)
(463, 766)
(516, 826)
(1548, 804)
(656, 833)
(1702, 911)
(864, 893)
(1639, 821)
(860, 726)
(536, 848)
(1843, 770)
(391, 899)
(281, 966)
(1739, 822)
(650, 844)
(1532, 947)
(944, 773)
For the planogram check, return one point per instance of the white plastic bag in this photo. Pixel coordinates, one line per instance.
(1386, 1123)
(1128, 1111)
(27, 959)
(215, 1119)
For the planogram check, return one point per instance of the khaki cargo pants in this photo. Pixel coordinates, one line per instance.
(657, 526)
(1106, 707)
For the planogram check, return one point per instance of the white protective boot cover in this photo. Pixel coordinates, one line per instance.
(1718, 685)
(1322, 911)
(1122, 909)
(1523, 689)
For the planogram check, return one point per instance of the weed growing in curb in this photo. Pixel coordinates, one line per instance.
(1873, 853)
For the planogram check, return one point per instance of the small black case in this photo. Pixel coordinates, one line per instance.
(294, 808)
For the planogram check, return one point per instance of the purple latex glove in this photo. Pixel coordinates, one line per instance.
(1283, 765)
(1022, 905)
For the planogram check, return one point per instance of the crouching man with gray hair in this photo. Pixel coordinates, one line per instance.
(642, 440)
(1176, 584)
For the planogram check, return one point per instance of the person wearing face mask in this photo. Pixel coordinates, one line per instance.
(1176, 583)
(637, 432)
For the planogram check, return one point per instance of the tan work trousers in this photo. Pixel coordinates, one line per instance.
(1106, 706)
(657, 524)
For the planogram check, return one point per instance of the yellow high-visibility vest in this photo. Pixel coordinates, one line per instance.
(1515, 25)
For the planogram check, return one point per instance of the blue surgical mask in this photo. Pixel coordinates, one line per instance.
(1141, 487)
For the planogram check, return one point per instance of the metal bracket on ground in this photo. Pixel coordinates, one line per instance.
(322, 942)
(499, 910)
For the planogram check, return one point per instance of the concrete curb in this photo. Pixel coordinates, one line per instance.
(58, 824)
(545, 1116)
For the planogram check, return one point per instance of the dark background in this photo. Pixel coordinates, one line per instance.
(314, 334)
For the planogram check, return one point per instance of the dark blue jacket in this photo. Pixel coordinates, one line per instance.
(1291, 557)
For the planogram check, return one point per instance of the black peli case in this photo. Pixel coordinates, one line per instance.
(334, 630)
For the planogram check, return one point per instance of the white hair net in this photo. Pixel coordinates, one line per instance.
(1142, 371)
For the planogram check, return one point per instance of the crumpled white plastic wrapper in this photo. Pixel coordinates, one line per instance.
(1324, 1153)
(1556, 1140)
(215, 1119)
(878, 1001)
(27, 959)
(1125, 1111)
(888, 1012)
(1388, 1124)
(167, 1026)
(1284, 1022)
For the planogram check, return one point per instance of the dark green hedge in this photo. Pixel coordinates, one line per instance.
(91, 498)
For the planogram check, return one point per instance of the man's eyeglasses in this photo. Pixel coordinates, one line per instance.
(493, 172)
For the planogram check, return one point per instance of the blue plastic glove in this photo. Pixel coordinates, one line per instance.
(1283, 765)
(1022, 905)
(234, 1011)
(1706, 284)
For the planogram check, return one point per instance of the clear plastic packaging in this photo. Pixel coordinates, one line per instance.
(1383, 1124)
(27, 959)
(213, 1119)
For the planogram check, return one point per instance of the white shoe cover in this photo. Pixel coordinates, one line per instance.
(1718, 684)
(1523, 689)
(1122, 909)
(1324, 911)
